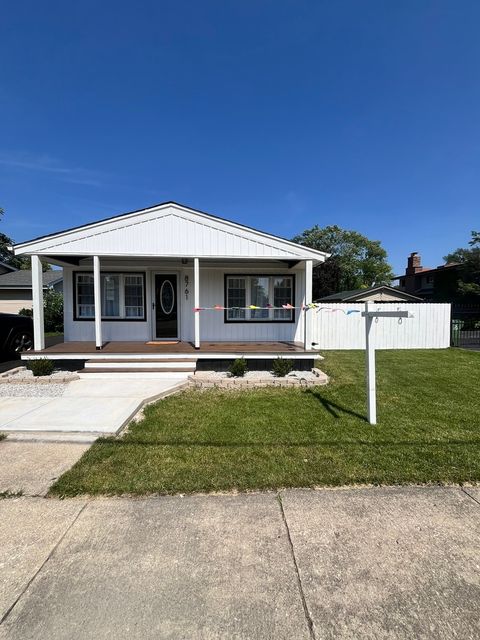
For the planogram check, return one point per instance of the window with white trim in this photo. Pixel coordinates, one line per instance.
(265, 291)
(122, 296)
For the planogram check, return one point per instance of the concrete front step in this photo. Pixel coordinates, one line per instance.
(156, 374)
(135, 370)
(171, 364)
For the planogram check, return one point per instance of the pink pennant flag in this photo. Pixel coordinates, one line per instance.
(287, 306)
(218, 307)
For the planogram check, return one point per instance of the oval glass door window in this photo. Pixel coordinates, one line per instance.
(167, 297)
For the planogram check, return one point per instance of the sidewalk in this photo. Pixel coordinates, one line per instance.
(382, 563)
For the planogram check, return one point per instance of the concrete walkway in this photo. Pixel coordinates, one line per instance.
(99, 405)
(378, 563)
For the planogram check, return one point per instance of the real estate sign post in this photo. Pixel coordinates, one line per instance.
(370, 315)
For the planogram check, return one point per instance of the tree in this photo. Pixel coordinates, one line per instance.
(468, 281)
(355, 261)
(7, 256)
(52, 311)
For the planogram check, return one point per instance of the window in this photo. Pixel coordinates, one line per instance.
(110, 287)
(282, 294)
(85, 301)
(259, 291)
(236, 297)
(122, 295)
(134, 296)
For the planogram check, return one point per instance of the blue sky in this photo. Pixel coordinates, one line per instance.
(277, 114)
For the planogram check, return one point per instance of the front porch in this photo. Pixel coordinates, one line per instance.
(171, 358)
(176, 274)
(81, 350)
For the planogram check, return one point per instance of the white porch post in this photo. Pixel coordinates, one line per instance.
(308, 299)
(97, 299)
(37, 291)
(196, 299)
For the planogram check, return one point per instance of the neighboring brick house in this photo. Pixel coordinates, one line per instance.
(16, 287)
(427, 283)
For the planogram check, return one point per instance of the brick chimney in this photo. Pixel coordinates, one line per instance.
(414, 264)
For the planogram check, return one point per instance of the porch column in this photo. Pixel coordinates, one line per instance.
(308, 300)
(97, 300)
(37, 297)
(196, 300)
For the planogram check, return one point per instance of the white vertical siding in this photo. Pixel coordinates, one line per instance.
(212, 325)
(169, 230)
(428, 329)
(111, 329)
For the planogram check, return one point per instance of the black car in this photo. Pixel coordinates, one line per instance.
(16, 333)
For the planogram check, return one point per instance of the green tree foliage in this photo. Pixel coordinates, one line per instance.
(467, 282)
(355, 260)
(19, 262)
(52, 311)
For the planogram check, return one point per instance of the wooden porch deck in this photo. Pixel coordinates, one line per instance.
(206, 349)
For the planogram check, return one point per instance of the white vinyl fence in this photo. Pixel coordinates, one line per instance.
(334, 328)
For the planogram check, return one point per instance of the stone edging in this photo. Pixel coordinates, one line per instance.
(206, 382)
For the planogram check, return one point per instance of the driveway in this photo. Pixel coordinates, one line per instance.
(376, 563)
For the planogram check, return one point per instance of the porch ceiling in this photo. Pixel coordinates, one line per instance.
(179, 262)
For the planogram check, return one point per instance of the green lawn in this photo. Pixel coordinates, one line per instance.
(428, 431)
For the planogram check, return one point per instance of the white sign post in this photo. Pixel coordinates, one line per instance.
(370, 315)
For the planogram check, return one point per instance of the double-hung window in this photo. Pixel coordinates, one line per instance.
(122, 296)
(263, 291)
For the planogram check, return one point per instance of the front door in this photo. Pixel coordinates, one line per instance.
(166, 314)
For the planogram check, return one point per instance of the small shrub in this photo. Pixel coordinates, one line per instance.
(41, 367)
(28, 313)
(281, 367)
(238, 368)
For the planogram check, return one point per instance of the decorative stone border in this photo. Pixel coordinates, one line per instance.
(17, 376)
(209, 380)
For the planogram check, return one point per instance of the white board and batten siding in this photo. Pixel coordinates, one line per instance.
(212, 292)
(169, 230)
(428, 329)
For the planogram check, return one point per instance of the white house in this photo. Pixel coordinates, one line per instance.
(134, 283)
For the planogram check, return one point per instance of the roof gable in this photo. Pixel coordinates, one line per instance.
(172, 230)
(359, 294)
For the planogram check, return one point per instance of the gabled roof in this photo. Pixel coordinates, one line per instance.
(358, 294)
(22, 279)
(168, 229)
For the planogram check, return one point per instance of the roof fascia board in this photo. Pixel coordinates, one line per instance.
(173, 256)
